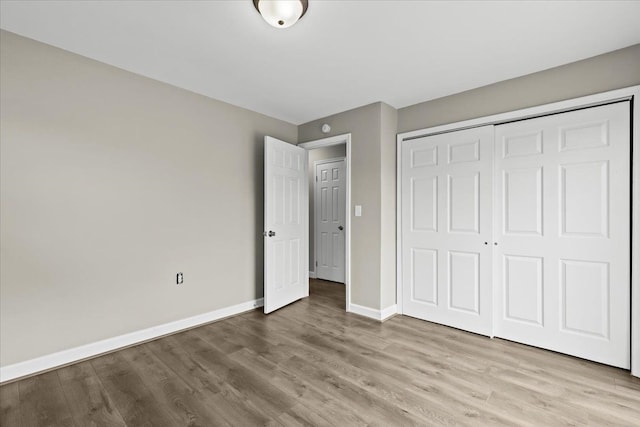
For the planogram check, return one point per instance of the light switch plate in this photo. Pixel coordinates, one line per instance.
(358, 210)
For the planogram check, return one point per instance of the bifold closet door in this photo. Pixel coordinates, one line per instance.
(446, 228)
(562, 222)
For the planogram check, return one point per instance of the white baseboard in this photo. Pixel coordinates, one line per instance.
(65, 357)
(388, 312)
(312, 275)
(372, 313)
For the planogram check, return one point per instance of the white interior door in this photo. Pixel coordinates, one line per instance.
(562, 264)
(330, 220)
(286, 224)
(446, 228)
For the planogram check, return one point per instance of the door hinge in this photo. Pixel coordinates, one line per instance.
(316, 178)
(316, 263)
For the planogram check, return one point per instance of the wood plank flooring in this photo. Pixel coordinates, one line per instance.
(312, 364)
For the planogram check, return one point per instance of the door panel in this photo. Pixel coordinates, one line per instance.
(330, 220)
(523, 289)
(424, 263)
(523, 201)
(463, 195)
(584, 295)
(464, 281)
(584, 213)
(424, 204)
(446, 220)
(563, 231)
(286, 224)
(464, 152)
(527, 144)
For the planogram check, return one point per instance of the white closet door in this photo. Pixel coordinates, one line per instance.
(562, 225)
(446, 225)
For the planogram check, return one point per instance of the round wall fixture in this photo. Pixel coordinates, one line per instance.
(325, 128)
(281, 13)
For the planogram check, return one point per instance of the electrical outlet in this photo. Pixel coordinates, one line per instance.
(179, 279)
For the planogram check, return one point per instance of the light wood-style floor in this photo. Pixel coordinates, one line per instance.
(312, 364)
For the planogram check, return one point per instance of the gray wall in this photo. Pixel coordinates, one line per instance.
(111, 183)
(369, 126)
(364, 125)
(322, 153)
(613, 70)
(388, 129)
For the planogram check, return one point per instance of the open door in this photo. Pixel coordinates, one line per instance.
(286, 224)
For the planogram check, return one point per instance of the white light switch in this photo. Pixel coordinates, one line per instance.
(358, 210)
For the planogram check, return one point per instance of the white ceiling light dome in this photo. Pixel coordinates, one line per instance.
(281, 13)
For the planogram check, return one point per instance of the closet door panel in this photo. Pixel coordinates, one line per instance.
(522, 201)
(446, 220)
(562, 224)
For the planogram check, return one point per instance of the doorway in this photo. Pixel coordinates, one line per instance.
(329, 206)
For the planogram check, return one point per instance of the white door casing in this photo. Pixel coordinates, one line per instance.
(286, 224)
(562, 264)
(329, 203)
(326, 142)
(446, 228)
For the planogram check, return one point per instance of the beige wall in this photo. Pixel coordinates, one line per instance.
(112, 183)
(364, 125)
(389, 125)
(323, 153)
(613, 70)
(373, 129)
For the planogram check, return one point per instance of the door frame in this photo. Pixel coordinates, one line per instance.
(631, 94)
(327, 142)
(315, 210)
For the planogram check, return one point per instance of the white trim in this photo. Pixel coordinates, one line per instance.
(372, 313)
(525, 113)
(332, 160)
(630, 93)
(72, 355)
(312, 274)
(399, 298)
(306, 220)
(387, 313)
(326, 142)
(316, 206)
(635, 235)
(361, 310)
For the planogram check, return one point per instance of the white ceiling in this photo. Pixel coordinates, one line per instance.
(341, 55)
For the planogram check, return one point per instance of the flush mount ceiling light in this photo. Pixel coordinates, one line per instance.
(281, 13)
